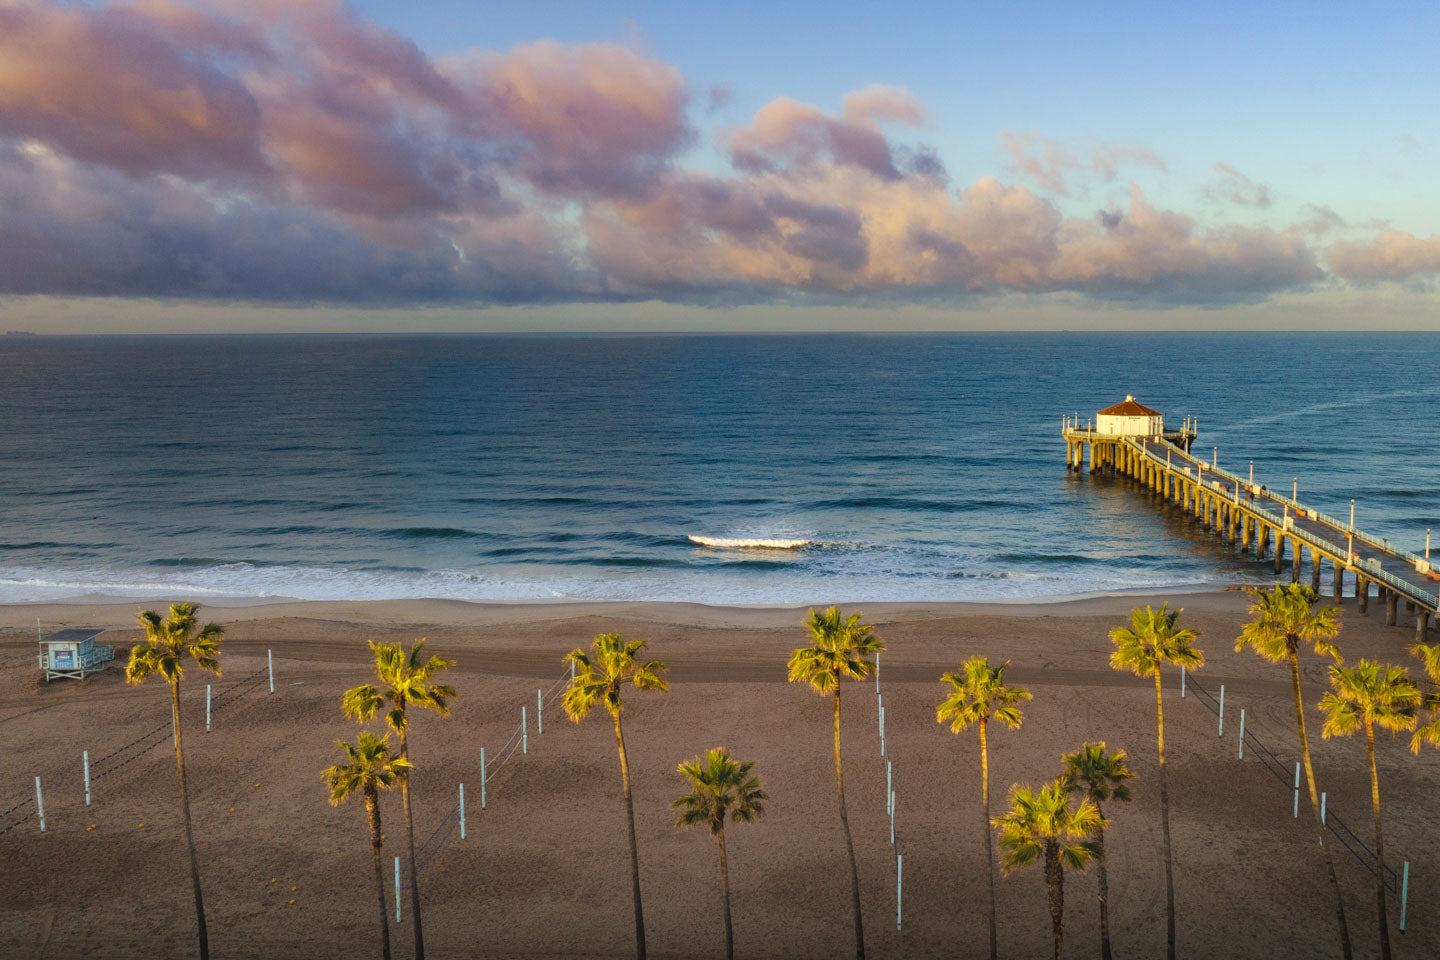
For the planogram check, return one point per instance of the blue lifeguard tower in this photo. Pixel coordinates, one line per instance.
(73, 653)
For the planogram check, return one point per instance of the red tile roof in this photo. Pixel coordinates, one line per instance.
(1129, 408)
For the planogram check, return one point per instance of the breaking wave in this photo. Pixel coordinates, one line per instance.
(748, 543)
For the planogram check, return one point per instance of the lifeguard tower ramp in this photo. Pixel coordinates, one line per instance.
(73, 653)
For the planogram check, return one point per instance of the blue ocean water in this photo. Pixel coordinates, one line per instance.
(908, 467)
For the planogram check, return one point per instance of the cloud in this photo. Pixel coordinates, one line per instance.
(1392, 255)
(1054, 166)
(1232, 186)
(290, 151)
(1322, 221)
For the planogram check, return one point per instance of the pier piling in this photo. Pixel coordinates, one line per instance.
(1391, 602)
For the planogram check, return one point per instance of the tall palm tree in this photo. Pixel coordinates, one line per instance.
(1152, 640)
(599, 677)
(1364, 695)
(719, 786)
(977, 695)
(1037, 826)
(1284, 619)
(406, 678)
(369, 769)
(167, 643)
(843, 647)
(1101, 776)
(1428, 732)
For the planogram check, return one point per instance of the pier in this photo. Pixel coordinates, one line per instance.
(1129, 440)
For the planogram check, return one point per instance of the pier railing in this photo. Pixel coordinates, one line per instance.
(1299, 533)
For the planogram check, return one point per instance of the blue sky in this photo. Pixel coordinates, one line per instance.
(1134, 160)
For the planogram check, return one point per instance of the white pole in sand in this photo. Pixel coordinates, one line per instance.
(1404, 893)
(1242, 733)
(1322, 816)
(40, 804)
(892, 818)
(899, 873)
(1222, 711)
(462, 811)
(889, 785)
(1296, 814)
(207, 708)
(524, 732)
(85, 756)
(882, 731)
(397, 889)
(877, 671)
(270, 662)
(539, 712)
(1182, 682)
(482, 778)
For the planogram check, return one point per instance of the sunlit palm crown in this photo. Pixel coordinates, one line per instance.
(977, 693)
(406, 679)
(1377, 693)
(1284, 618)
(844, 647)
(1100, 774)
(1429, 655)
(368, 763)
(600, 674)
(719, 786)
(1045, 816)
(1152, 639)
(169, 641)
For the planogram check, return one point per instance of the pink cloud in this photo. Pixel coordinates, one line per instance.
(789, 135)
(1053, 166)
(1392, 255)
(1232, 186)
(879, 103)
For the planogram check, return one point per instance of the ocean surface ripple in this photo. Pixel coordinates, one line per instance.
(719, 469)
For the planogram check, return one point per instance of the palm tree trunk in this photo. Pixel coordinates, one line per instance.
(1055, 883)
(189, 831)
(372, 811)
(1315, 804)
(1104, 889)
(410, 836)
(1379, 844)
(849, 844)
(725, 896)
(634, 851)
(1165, 822)
(989, 840)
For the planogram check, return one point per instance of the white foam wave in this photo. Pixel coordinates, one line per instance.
(748, 543)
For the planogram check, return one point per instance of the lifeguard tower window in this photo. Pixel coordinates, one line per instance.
(73, 653)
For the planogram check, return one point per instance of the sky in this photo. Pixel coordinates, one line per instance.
(296, 165)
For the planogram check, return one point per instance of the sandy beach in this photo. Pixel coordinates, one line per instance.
(543, 869)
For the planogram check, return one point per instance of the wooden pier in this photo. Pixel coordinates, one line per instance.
(1252, 517)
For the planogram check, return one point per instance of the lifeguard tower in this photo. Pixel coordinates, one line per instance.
(73, 653)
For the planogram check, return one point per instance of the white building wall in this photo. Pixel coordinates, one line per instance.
(1129, 426)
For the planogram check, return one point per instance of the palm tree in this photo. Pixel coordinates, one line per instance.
(977, 695)
(1429, 732)
(1036, 825)
(844, 647)
(1151, 640)
(1362, 696)
(1101, 775)
(370, 769)
(406, 679)
(720, 786)
(600, 677)
(1284, 619)
(167, 643)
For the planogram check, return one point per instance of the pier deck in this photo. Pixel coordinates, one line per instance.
(1252, 516)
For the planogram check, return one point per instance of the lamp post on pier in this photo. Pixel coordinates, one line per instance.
(1427, 543)
(1252, 473)
(1295, 495)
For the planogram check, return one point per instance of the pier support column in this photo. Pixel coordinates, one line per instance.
(1339, 580)
(1362, 595)
(1298, 551)
(1315, 570)
(1391, 602)
(1262, 540)
(1279, 552)
(1422, 625)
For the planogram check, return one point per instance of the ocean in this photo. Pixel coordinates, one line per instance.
(717, 469)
